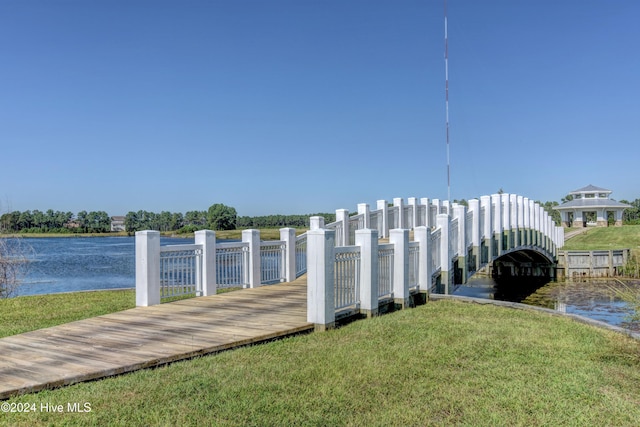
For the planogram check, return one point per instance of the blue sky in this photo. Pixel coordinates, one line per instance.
(301, 106)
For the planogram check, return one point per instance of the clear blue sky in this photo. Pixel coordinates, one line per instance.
(301, 106)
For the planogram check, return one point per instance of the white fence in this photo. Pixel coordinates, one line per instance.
(199, 269)
(348, 269)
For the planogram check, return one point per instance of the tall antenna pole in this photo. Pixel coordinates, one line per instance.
(446, 75)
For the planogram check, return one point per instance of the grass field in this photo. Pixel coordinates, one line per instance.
(444, 363)
(627, 236)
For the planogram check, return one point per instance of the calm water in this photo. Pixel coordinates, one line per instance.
(68, 264)
(595, 299)
(92, 263)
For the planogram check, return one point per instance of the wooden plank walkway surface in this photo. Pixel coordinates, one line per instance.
(144, 337)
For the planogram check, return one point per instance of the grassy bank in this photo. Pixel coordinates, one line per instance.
(445, 363)
(596, 238)
(28, 313)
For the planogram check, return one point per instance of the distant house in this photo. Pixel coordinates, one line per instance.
(591, 206)
(117, 223)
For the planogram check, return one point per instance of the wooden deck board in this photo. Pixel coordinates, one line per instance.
(144, 337)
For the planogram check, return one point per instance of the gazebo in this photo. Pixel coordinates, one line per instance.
(591, 206)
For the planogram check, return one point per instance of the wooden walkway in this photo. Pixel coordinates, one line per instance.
(143, 337)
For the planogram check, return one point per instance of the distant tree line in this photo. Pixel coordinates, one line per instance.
(217, 217)
(55, 222)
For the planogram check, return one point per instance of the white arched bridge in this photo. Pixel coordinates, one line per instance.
(362, 262)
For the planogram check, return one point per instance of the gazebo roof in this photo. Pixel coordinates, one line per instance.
(591, 188)
(592, 203)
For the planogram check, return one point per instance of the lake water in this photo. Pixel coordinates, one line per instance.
(68, 264)
(594, 298)
(62, 264)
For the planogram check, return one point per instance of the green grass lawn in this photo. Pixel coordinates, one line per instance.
(28, 313)
(627, 236)
(444, 363)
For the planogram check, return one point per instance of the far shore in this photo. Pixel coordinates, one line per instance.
(265, 234)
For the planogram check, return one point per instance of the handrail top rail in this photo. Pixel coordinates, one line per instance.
(178, 248)
(231, 245)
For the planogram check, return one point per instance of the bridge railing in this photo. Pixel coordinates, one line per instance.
(451, 242)
(199, 269)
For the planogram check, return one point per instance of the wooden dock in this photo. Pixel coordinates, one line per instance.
(144, 337)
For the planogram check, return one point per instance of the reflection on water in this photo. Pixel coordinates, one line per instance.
(596, 298)
(69, 264)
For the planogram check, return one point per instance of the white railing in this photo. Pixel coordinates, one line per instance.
(436, 236)
(347, 276)
(301, 254)
(469, 227)
(445, 232)
(180, 271)
(385, 270)
(338, 227)
(356, 222)
(414, 265)
(200, 269)
(272, 262)
(232, 261)
(453, 238)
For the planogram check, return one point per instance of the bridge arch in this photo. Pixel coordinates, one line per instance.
(523, 262)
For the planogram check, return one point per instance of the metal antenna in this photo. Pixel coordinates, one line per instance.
(446, 75)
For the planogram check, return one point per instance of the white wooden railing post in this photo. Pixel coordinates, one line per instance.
(496, 201)
(515, 240)
(342, 216)
(476, 232)
(288, 235)
(444, 223)
(316, 223)
(369, 281)
(253, 238)
(424, 201)
(400, 239)
(460, 212)
(520, 202)
(487, 228)
(446, 207)
(398, 203)
(438, 205)
(363, 209)
(506, 222)
(536, 222)
(413, 202)
(422, 235)
(381, 205)
(207, 239)
(526, 239)
(147, 268)
(320, 270)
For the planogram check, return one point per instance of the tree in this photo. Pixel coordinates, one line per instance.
(221, 217)
(14, 261)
